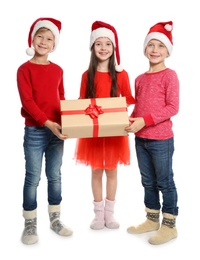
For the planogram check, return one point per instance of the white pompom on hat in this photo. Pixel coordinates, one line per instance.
(101, 29)
(49, 23)
(163, 32)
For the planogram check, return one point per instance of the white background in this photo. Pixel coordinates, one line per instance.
(132, 19)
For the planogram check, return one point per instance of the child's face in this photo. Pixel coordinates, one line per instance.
(156, 51)
(43, 41)
(103, 48)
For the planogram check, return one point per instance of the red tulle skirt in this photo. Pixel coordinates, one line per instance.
(103, 152)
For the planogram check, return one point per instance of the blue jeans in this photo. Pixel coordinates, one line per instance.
(40, 142)
(155, 164)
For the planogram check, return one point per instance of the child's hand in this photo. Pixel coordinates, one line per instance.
(55, 128)
(136, 124)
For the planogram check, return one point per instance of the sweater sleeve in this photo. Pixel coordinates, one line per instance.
(125, 88)
(29, 106)
(83, 85)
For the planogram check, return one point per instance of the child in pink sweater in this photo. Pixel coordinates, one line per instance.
(157, 100)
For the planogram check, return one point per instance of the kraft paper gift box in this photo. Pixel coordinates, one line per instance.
(95, 117)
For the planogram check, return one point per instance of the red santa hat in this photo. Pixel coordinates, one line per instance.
(49, 23)
(101, 29)
(162, 32)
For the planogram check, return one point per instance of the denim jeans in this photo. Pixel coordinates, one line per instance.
(39, 143)
(155, 164)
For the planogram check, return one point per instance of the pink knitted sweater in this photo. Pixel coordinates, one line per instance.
(157, 100)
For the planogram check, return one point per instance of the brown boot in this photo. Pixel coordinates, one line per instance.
(166, 232)
(151, 223)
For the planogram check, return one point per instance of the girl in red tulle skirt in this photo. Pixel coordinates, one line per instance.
(104, 79)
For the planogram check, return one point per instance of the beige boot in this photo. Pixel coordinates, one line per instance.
(110, 221)
(166, 232)
(29, 235)
(98, 221)
(55, 224)
(152, 223)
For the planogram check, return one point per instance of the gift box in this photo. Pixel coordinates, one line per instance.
(95, 117)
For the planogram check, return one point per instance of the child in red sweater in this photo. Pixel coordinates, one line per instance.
(40, 85)
(157, 100)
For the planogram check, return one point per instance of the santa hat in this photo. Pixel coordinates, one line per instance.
(49, 23)
(101, 29)
(162, 32)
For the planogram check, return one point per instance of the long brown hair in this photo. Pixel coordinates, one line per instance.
(90, 90)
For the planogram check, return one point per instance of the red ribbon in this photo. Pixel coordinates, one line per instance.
(94, 111)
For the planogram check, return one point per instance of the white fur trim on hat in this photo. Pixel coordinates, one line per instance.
(102, 32)
(161, 37)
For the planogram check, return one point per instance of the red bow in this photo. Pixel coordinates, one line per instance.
(93, 111)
